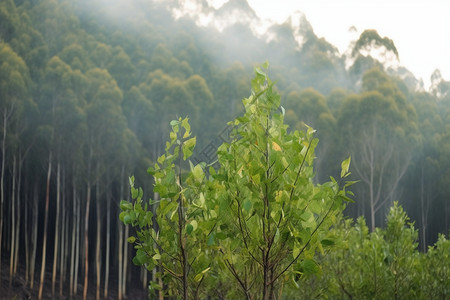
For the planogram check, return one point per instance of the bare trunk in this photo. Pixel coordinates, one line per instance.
(2, 187)
(86, 242)
(44, 241)
(120, 244)
(17, 235)
(64, 237)
(77, 248)
(73, 244)
(56, 243)
(125, 263)
(120, 256)
(13, 225)
(108, 242)
(98, 244)
(34, 235)
(19, 216)
(27, 244)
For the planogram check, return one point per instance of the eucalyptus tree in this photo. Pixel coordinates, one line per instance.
(422, 183)
(14, 93)
(380, 133)
(61, 103)
(105, 130)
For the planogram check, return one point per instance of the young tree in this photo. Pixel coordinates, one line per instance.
(273, 218)
(261, 211)
(175, 238)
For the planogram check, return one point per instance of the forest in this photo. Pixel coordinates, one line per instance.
(93, 92)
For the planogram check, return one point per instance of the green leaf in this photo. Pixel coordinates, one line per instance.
(187, 127)
(140, 258)
(174, 123)
(189, 228)
(309, 266)
(131, 239)
(345, 166)
(247, 205)
(326, 242)
(188, 147)
(161, 159)
(194, 224)
(198, 173)
(127, 220)
(200, 275)
(211, 240)
(125, 205)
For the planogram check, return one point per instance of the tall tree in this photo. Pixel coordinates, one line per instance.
(380, 132)
(14, 94)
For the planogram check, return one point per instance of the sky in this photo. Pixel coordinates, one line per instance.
(420, 29)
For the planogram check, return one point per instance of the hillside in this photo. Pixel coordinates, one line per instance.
(88, 88)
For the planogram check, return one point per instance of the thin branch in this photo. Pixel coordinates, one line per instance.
(304, 247)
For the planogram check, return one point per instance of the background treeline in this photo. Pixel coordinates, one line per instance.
(88, 88)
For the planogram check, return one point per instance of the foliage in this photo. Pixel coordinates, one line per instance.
(383, 264)
(263, 213)
(87, 89)
(273, 217)
(173, 231)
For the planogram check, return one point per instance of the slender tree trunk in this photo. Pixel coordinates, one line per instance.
(120, 243)
(125, 263)
(98, 242)
(64, 236)
(13, 221)
(56, 242)
(19, 217)
(73, 244)
(120, 256)
(44, 240)
(34, 235)
(2, 187)
(27, 243)
(86, 242)
(77, 248)
(108, 242)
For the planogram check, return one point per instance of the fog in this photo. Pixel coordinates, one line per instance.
(88, 90)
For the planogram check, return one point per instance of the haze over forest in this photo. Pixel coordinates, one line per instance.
(87, 91)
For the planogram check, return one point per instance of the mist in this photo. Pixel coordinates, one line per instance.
(88, 90)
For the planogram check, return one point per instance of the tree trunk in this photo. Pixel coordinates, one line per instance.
(73, 245)
(77, 248)
(86, 241)
(34, 235)
(13, 221)
(98, 242)
(2, 187)
(27, 243)
(108, 242)
(44, 240)
(19, 215)
(120, 267)
(125, 262)
(56, 242)
(64, 237)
